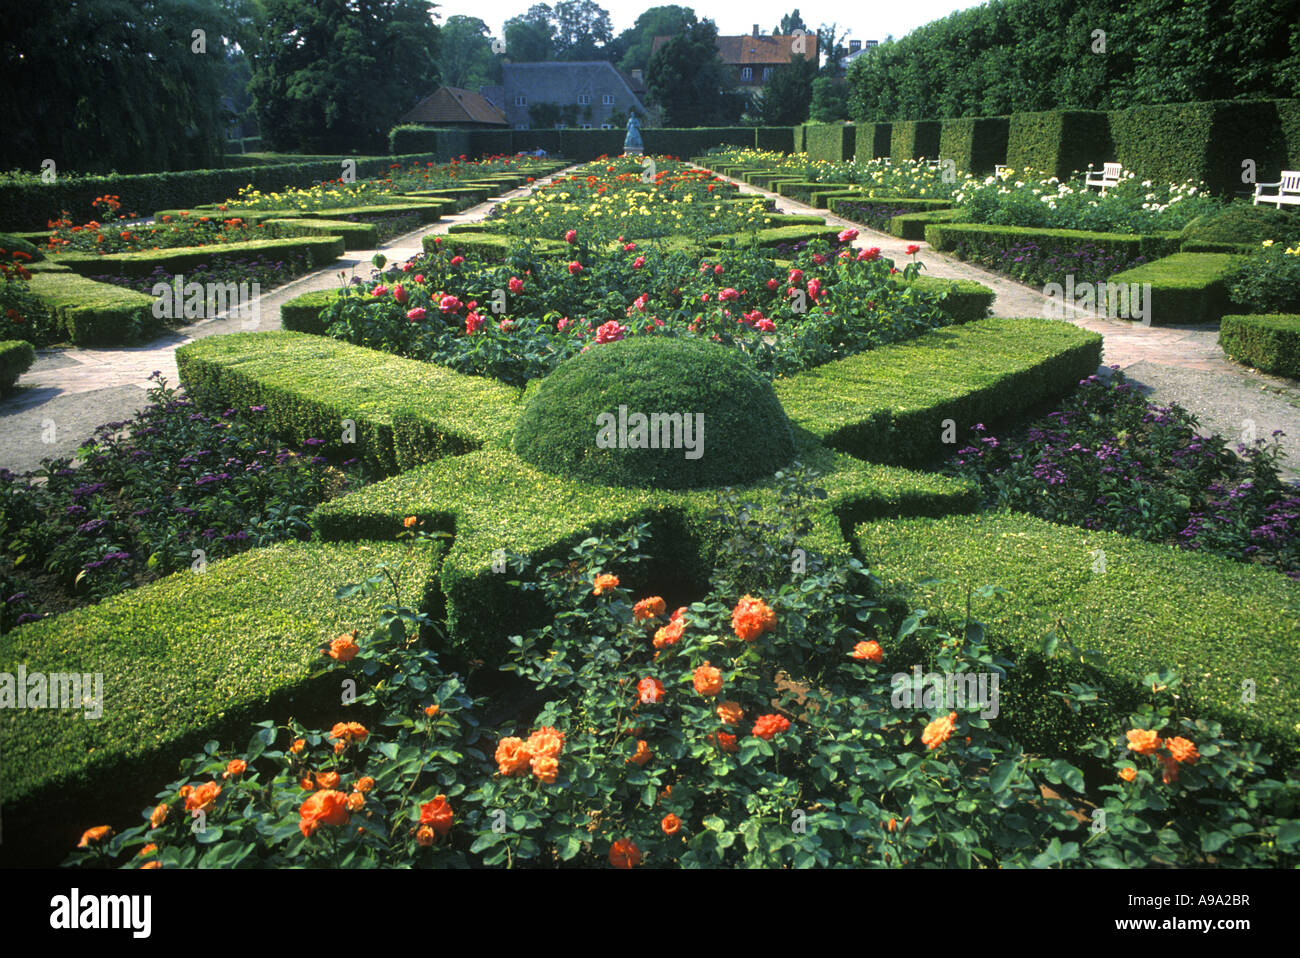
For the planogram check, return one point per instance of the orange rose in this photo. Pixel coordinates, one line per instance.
(93, 836)
(431, 711)
(425, 836)
(298, 745)
(708, 680)
(937, 732)
(340, 748)
(605, 583)
(364, 784)
(326, 807)
(437, 814)
(203, 798)
(671, 824)
(546, 741)
(236, 767)
(409, 522)
(624, 854)
(871, 651)
(349, 731)
(356, 802)
(680, 615)
(545, 768)
(158, 816)
(751, 618)
(185, 790)
(642, 754)
(148, 850)
(513, 757)
(1182, 750)
(1128, 774)
(892, 825)
(769, 725)
(345, 647)
(649, 690)
(152, 864)
(670, 634)
(726, 741)
(730, 713)
(649, 608)
(306, 784)
(1143, 741)
(327, 779)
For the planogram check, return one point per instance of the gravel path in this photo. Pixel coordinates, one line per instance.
(69, 392)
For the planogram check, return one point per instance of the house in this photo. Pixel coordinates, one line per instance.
(857, 48)
(591, 94)
(754, 58)
(450, 106)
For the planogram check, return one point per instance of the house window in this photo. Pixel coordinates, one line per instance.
(584, 99)
(747, 73)
(586, 126)
(767, 74)
(606, 126)
(607, 99)
(521, 101)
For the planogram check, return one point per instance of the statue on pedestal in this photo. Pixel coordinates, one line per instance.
(632, 143)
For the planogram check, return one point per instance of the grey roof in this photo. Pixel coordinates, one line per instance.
(562, 81)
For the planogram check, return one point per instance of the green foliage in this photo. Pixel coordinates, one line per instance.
(1268, 279)
(319, 251)
(828, 104)
(465, 57)
(788, 94)
(914, 140)
(891, 404)
(311, 384)
(1206, 611)
(688, 80)
(1185, 287)
(183, 659)
(1059, 143)
(574, 424)
(974, 144)
(303, 313)
(835, 142)
(1244, 224)
(1270, 343)
(316, 59)
(10, 244)
(16, 357)
(95, 314)
(355, 235)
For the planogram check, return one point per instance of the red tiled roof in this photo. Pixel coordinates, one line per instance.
(449, 104)
(768, 50)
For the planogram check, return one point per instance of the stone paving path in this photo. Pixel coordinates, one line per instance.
(1174, 364)
(69, 392)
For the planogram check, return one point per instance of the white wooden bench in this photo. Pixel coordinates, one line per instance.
(1108, 177)
(1288, 190)
(998, 168)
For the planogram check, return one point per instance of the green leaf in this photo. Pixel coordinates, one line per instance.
(1001, 775)
(567, 846)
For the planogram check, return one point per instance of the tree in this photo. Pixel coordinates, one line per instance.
(530, 38)
(788, 94)
(334, 75)
(831, 45)
(689, 81)
(465, 57)
(582, 28)
(790, 23)
(828, 104)
(638, 40)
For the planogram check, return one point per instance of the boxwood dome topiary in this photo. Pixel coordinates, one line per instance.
(1245, 224)
(658, 412)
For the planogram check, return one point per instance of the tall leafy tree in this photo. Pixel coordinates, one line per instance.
(828, 104)
(790, 23)
(115, 84)
(530, 37)
(788, 95)
(638, 40)
(582, 30)
(334, 75)
(465, 57)
(689, 81)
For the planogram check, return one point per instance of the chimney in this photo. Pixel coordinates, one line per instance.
(855, 46)
(756, 29)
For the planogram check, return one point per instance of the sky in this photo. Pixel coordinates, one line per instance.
(862, 21)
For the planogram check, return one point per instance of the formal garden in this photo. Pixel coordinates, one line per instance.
(638, 523)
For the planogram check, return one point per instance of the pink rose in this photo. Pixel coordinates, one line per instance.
(516, 284)
(796, 277)
(379, 291)
(848, 235)
(575, 267)
(610, 332)
(415, 315)
(449, 304)
(571, 236)
(728, 294)
(766, 325)
(638, 262)
(399, 293)
(457, 260)
(473, 323)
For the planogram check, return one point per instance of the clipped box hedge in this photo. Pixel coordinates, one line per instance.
(303, 313)
(914, 140)
(1269, 342)
(16, 357)
(355, 235)
(1059, 142)
(182, 259)
(890, 404)
(96, 314)
(965, 238)
(911, 226)
(775, 236)
(963, 299)
(1216, 621)
(974, 144)
(775, 139)
(185, 659)
(877, 211)
(833, 142)
(803, 190)
(405, 411)
(428, 210)
(492, 500)
(874, 141)
(1186, 288)
(494, 247)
